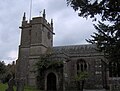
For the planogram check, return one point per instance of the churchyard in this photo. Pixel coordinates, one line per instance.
(3, 87)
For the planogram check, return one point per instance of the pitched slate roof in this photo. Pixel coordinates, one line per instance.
(88, 48)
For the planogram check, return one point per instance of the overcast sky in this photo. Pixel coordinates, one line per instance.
(68, 27)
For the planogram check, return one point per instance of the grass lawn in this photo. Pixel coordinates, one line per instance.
(3, 87)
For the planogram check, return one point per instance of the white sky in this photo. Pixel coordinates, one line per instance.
(68, 27)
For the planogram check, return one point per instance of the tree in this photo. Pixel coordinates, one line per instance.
(2, 70)
(107, 37)
(45, 63)
(80, 79)
(11, 69)
(108, 9)
(2, 67)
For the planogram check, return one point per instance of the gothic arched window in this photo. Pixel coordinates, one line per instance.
(114, 69)
(81, 65)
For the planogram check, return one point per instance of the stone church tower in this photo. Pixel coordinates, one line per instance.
(36, 39)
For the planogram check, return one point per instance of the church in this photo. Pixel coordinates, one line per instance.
(37, 39)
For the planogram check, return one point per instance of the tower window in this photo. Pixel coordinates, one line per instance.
(30, 32)
(48, 35)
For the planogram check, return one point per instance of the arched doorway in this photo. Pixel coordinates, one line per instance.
(51, 82)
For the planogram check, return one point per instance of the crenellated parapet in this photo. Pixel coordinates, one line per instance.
(37, 20)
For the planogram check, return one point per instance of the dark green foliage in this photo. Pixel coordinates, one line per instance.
(81, 76)
(4, 75)
(45, 63)
(107, 40)
(107, 37)
(2, 67)
(6, 72)
(2, 71)
(108, 9)
(80, 79)
(6, 78)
